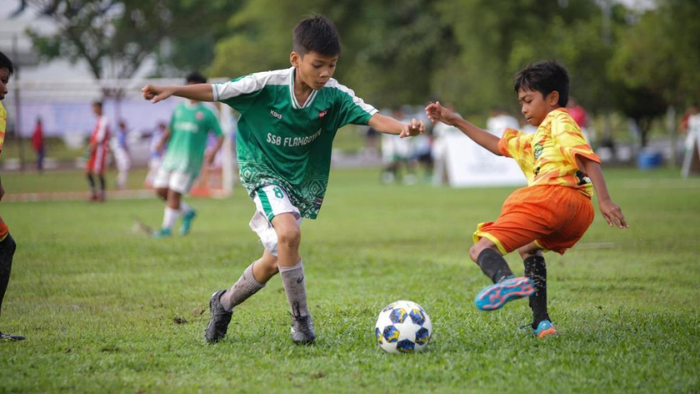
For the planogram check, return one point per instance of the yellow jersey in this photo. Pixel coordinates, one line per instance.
(548, 157)
(3, 124)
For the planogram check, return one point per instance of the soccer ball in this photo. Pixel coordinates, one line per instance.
(403, 327)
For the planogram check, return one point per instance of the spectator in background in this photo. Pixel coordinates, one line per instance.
(499, 121)
(441, 132)
(692, 127)
(156, 151)
(38, 145)
(122, 159)
(396, 153)
(97, 153)
(578, 113)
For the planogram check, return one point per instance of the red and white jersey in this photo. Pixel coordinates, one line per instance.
(100, 134)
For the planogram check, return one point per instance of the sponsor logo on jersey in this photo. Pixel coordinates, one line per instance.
(322, 114)
(275, 114)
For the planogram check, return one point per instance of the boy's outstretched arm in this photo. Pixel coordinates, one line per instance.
(611, 211)
(387, 125)
(438, 113)
(198, 92)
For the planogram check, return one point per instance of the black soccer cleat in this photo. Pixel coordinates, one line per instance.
(303, 330)
(220, 318)
(11, 338)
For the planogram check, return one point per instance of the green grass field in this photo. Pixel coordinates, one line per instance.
(108, 310)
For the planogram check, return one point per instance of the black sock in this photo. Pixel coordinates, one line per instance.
(7, 250)
(493, 265)
(102, 184)
(91, 181)
(536, 269)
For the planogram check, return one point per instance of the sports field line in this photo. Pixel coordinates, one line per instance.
(73, 196)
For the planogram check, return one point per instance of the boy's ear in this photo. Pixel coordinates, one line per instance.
(295, 59)
(553, 98)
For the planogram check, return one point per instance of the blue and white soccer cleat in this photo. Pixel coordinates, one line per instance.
(495, 296)
(163, 233)
(187, 221)
(545, 329)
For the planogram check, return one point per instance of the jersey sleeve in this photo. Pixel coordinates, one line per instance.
(570, 140)
(352, 109)
(241, 92)
(3, 125)
(514, 143)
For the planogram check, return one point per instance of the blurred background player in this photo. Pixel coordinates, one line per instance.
(499, 120)
(98, 151)
(120, 150)
(155, 153)
(38, 145)
(554, 210)
(579, 115)
(186, 137)
(288, 120)
(7, 244)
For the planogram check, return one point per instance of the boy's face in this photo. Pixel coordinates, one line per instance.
(96, 109)
(535, 107)
(4, 80)
(314, 69)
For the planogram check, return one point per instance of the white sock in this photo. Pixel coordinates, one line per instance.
(170, 217)
(184, 208)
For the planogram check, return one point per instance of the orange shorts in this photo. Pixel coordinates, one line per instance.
(3, 229)
(555, 217)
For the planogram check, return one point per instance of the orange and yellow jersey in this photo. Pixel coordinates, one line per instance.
(3, 125)
(548, 157)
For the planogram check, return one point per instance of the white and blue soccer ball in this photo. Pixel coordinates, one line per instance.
(403, 327)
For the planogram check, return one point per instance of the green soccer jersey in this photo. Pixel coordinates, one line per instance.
(283, 143)
(189, 129)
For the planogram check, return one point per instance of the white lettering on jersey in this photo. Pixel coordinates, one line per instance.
(274, 139)
(186, 126)
(289, 141)
(297, 141)
(275, 114)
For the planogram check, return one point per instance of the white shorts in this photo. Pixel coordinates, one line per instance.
(270, 201)
(177, 181)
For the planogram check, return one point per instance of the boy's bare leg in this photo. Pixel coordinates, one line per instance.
(536, 269)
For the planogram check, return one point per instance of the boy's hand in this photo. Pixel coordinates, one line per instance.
(156, 93)
(438, 113)
(413, 129)
(612, 214)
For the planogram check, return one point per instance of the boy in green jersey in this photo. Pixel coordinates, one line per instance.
(285, 133)
(186, 137)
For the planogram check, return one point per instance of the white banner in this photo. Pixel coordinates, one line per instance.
(469, 164)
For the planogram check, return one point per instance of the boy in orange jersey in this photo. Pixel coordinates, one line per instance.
(555, 209)
(7, 244)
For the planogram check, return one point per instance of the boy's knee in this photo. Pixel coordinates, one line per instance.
(289, 236)
(529, 251)
(474, 252)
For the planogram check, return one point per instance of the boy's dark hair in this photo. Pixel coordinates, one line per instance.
(5, 62)
(544, 77)
(316, 34)
(195, 77)
(97, 103)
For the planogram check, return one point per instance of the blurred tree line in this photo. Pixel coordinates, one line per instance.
(397, 52)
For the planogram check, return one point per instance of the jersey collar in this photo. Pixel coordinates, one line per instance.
(295, 103)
